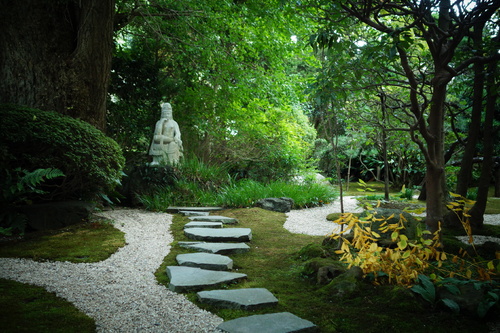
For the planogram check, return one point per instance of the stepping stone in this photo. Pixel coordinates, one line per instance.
(192, 279)
(245, 299)
(215, 218)
(199, 224)
(215, 262)
(175, 209)
(219, 235)
(218, 248)
(282, 322)
(193, 213)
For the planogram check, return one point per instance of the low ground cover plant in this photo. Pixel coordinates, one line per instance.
(277, 260)
(419, 262)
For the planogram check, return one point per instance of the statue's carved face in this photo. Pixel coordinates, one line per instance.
(166, 111)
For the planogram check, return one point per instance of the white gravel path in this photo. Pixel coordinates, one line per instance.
(312, 221)
(121, 293)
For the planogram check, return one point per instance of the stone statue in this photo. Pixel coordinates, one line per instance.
(167, 145)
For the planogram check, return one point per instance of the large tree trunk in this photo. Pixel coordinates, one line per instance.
(56, 55)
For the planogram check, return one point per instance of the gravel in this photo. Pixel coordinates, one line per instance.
(312, 221)
(121, 293)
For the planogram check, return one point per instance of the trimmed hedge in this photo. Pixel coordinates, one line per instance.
(31, 139)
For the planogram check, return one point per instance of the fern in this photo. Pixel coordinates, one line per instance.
(25, 182)
(33, 179)
(16, 188)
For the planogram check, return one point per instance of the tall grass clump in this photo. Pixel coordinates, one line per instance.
(207, 176)
(246, 193)
(200, 184)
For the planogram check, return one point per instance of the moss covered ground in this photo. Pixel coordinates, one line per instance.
(278, 260)
(27, 308)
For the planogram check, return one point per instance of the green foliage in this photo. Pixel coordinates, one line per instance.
(247, 192)
(23, 182)
(136, 89)
(429, 292)
(406, 193)
(31, 139)
(235, 80)
(16, 189)
(244, 193)
(425, 288)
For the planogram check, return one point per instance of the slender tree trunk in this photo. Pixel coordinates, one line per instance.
(465, 173)
(56, 55)
(384, 147)
(477, 211)
(497, 181)
(435, 176)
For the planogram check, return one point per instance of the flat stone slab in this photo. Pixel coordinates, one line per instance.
(199, 224)
(282, 322)
(245, 299)
(175, 209)
(217, 248)
(219, 235)
(193, 213)
(215, 218)
(215, 262)
(191, 279)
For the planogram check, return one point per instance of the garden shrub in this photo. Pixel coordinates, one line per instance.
(31, 139)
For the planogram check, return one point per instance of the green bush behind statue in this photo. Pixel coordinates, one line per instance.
(32, 139)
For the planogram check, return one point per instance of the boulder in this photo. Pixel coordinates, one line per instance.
(282, 205)
(382, 214)
(346, 284)
(327, 273)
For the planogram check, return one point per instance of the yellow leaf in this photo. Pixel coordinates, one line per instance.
(373, 247)
(339, 252)
(394, 236)
(375, 234)
(443, 256)
(491, 266)
(468, 274)
(402, 244)
(406, 254)
(403, 237)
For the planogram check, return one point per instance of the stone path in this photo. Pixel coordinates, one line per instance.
(217, 235)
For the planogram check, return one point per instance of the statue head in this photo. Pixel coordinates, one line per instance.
(166, 110)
